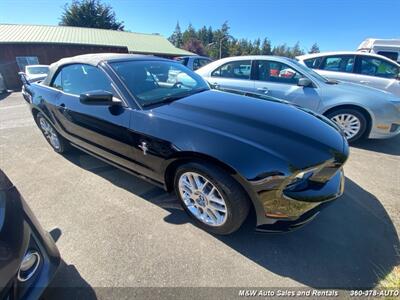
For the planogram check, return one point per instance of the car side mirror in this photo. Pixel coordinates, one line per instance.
(213, 86)
(304, 82)
(24, 80)
(99, 97)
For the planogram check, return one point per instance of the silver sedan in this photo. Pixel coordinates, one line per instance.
(359, 110)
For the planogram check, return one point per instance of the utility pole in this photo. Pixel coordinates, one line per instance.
(220, 44)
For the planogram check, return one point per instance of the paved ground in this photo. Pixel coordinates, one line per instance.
(118, 230)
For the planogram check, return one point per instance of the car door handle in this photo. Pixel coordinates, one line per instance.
(62, 108)
(263, 89)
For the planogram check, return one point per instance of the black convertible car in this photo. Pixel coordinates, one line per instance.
(223, 154)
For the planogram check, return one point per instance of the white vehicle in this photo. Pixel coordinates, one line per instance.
(36, 72)
(33, 73)
(368, 69)
(389, 47)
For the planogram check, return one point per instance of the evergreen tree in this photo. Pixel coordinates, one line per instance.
(266, 47)
(314, 48)
(202, 35)
(90, 13)
(296, 51)
(210, 35)
(188, 34)
(256, 47)
(207, 41)
(280, 50)
(176, 37)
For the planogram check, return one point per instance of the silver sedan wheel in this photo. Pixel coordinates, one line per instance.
(49, 133)
(202, 199)
(349, 123)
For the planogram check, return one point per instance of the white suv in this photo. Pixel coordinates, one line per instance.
(365, 68)
(386, 47)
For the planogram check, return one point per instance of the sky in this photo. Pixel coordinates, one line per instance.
(332, 24)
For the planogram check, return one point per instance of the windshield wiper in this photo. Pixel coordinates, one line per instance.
(173, 98)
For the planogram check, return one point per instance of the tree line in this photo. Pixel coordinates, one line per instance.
(220, 43)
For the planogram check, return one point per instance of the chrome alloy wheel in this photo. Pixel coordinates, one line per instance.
(49, 133)
(349, 123)
(202, 199)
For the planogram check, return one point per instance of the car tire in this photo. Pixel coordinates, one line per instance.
(236, 201)
(346, 118)
(56, 141)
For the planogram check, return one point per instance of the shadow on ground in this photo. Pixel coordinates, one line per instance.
(349, 245)
(4, 95)
(68, 284)
(388, 146)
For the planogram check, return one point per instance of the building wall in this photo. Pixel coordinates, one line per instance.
(46, 54)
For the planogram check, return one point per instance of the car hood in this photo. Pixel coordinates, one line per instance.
(36, 77)
(294, 135)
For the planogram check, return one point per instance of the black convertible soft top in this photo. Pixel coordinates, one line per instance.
(93, 59)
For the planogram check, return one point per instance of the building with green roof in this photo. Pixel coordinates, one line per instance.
(21, 45)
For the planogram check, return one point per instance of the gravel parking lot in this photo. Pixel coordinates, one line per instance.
(120, 231)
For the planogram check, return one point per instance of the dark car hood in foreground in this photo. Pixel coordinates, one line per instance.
(288, 133)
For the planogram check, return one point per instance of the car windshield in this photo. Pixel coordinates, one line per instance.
(154, 82)
(37, 70)
(309, 71)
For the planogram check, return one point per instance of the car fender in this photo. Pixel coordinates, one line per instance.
(338, 102)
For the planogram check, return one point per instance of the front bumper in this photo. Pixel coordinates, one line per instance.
(285, 210)
(386, 122)
(291, 225)
(386, 131)
(20, 232)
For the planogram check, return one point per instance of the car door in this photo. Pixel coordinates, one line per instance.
(277, 79)
(233, 75)
(338, 67)
(103, 130)
(378, 73)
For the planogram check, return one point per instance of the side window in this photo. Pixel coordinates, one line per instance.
(199, 62)
(390, 54)
(79, 78)
(340, 63)
(196, 64)
(57, 82)
(236, 69)
(377, 67)
(313, 63)
(203, 62)
(277, 72)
